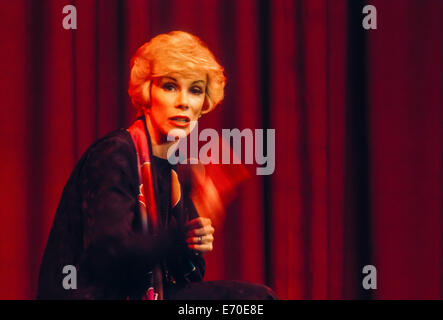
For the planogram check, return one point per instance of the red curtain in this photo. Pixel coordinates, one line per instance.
(406, 116)
(307, 108)
(357, 113)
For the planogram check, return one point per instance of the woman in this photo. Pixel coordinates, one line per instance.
(125, 222)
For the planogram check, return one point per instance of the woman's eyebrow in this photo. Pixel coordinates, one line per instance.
(175, 80)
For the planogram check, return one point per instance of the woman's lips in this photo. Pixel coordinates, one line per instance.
(180, 121)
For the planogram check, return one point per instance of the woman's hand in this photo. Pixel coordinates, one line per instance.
(199, 235)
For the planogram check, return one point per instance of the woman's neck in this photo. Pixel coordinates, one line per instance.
(160, 145)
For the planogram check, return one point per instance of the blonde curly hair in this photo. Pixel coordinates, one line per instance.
(176, 51)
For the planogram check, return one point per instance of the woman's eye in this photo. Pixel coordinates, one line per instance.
(169, 86)
(196, 90)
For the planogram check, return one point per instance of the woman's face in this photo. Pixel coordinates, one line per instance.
(176, 103)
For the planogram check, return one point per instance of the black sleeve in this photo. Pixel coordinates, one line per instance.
(116, 255)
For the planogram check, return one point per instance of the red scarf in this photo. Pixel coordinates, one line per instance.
(148, 207)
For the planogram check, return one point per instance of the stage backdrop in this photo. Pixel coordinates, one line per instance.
(357, 113)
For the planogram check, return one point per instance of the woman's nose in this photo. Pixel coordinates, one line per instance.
(182, 101)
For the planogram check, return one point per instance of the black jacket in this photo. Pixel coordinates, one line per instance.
(97, 229)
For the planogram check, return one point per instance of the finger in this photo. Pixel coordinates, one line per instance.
(198, 222)
(204, 239)
(196, 240)
(200, 231)
(195, 227)
(202, 248)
